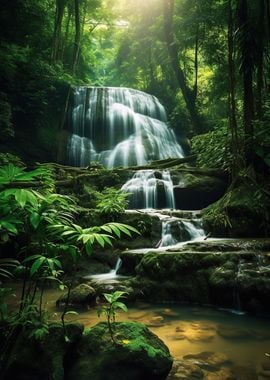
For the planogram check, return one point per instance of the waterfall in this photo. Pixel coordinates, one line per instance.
(118, 127)
(167, 238)
(149, 189)
(176, 230)
(106, 276)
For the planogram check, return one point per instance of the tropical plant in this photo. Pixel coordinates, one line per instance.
(213, 149)
(83, 239)
(111, 202)
(109, 310)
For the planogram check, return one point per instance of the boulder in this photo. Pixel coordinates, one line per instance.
(81, 295)
(138, 354)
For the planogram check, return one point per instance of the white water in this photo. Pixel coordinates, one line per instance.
(183, 231)
(112, 275)
(146, 191)
(119, 127)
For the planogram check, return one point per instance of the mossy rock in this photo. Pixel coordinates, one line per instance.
(139, 354)
(81, 295)
(241, 212)
(194, 190)
(212, 277)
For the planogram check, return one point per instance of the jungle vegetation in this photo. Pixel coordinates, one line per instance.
(206, 60)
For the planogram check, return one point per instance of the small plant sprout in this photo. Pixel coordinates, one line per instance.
(109, 310)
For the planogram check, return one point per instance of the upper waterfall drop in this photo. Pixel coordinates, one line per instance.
(118, 127)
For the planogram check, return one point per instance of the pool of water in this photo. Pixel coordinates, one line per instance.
(244, 339)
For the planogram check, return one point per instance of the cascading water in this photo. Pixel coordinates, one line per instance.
(126, 127)
(148, 189)
(118, 127)
(179, 230)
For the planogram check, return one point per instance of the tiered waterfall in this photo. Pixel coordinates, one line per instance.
(118, 127)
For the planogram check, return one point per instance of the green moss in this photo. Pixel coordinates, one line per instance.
(242, 211)
(138, 354)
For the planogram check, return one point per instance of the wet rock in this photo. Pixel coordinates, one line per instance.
(157, 321)
(197, 191)
(202, 326)
(179, 329)
(138, 354)
(183, 370)
(81, 295)
(200, 335)
(168, 313)
(222, 374)
(176, 337)
(197, 273)
(208, 360)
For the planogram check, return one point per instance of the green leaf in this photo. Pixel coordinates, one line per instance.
(77, 228)
(99, 239)
(21, 197)
(9, 227)
(108, 297)
(108, 239)
(89, 248)
(120, 305)
(36, 265)
(116, 230)
(31, 258)
(35, 219)
(69, 232)
(118, 294)
(106, 228)
(57, 263)
(5, 273)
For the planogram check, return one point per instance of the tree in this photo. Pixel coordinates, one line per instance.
(189, 95)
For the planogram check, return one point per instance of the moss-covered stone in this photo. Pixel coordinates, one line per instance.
(241, 212)
(139, 354)
(236, 273)
(81, 295)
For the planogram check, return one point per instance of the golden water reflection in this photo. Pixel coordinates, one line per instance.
(191, 330)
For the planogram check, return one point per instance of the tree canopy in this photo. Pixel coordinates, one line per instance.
(207, 61)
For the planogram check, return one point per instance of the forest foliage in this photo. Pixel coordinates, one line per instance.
(208, 62)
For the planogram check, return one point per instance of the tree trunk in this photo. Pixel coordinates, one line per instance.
(188, 94)
(77, 38)
(247, 75)
(196, 66)
(57, 34)
(260, 47)
(65, 39)
(232, 104)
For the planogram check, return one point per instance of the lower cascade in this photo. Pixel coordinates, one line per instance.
(180, 230)
(148, 191)
(118, 127)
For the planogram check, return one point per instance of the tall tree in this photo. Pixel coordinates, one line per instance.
(189, 94)
(236, 164)
(57, 34)
(246, 47)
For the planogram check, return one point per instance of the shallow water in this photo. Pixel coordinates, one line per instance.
(186, 330)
